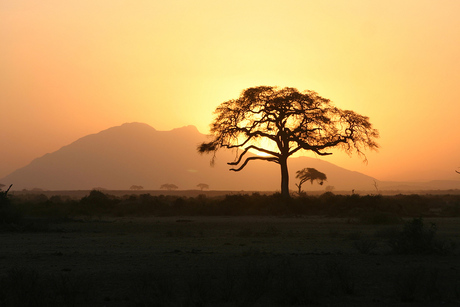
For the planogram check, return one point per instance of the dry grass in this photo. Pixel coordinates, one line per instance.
(212, 261)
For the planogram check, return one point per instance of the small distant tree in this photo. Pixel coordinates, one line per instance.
(136, 187)
(8, 214)
(311, 174)
(203, 186)
(376, 186)
(330, 188)
(169, 186)
(4, 195)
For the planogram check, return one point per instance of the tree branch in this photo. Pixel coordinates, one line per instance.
(256, 148)
(317, 148)
(295, 150)
(270, 159)
(254, 134)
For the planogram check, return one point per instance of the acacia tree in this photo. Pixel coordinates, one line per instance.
(311, 174)
(203, 186)
(291, 121)
(136, 187)
(169, 186)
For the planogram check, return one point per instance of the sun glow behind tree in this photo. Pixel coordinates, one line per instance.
(291, 120)
(166, 63)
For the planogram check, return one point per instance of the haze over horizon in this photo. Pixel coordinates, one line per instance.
(73, 68)
(136, 153)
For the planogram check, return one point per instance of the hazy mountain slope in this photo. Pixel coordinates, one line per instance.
(137, 154)
(420, 186)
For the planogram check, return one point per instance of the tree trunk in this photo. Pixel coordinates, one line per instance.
(299, 187)
(284, 178)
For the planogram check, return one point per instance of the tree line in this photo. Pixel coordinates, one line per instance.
(366, 208)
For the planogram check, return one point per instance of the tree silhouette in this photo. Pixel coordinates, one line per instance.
(169, 186)
(202, 186)
(311, 174)
(291, 121)
(136, 187)
(4, 196)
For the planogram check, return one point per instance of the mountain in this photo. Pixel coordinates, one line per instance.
(137, 154)
(432, 185)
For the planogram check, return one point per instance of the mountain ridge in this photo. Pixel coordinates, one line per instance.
(138, 154)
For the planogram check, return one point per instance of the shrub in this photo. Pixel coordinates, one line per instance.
(8, 212)
(416, 238)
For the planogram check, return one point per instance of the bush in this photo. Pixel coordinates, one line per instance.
(370, 209)
(8, 213)
(416, 238)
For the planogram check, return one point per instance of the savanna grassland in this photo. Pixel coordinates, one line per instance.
(236, 250)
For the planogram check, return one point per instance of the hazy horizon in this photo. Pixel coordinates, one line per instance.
(74, 68)
(138, 154)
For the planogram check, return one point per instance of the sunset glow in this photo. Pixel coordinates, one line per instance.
(73, 68)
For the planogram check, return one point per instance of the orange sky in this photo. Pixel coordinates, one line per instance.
(75, 67)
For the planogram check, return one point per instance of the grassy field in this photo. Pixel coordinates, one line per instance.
(224, 261)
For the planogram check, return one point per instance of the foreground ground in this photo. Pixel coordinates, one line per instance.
(222, 261)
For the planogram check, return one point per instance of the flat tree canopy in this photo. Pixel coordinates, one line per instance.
(311, 174)
(169, 186)
(291, 121)
(203, 186)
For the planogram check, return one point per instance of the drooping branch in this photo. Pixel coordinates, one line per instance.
(236, 145)
(350, 132)
(229, 137)
(316, 148)
(270, 159)
(256, 148)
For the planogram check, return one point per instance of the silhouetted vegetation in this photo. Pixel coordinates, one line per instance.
(203, 186)
(291, 121)
(309, 174)
(188, 260)
(8, 213)
(367, 209)
(169, 186)
(136, 187)
(417, 238)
